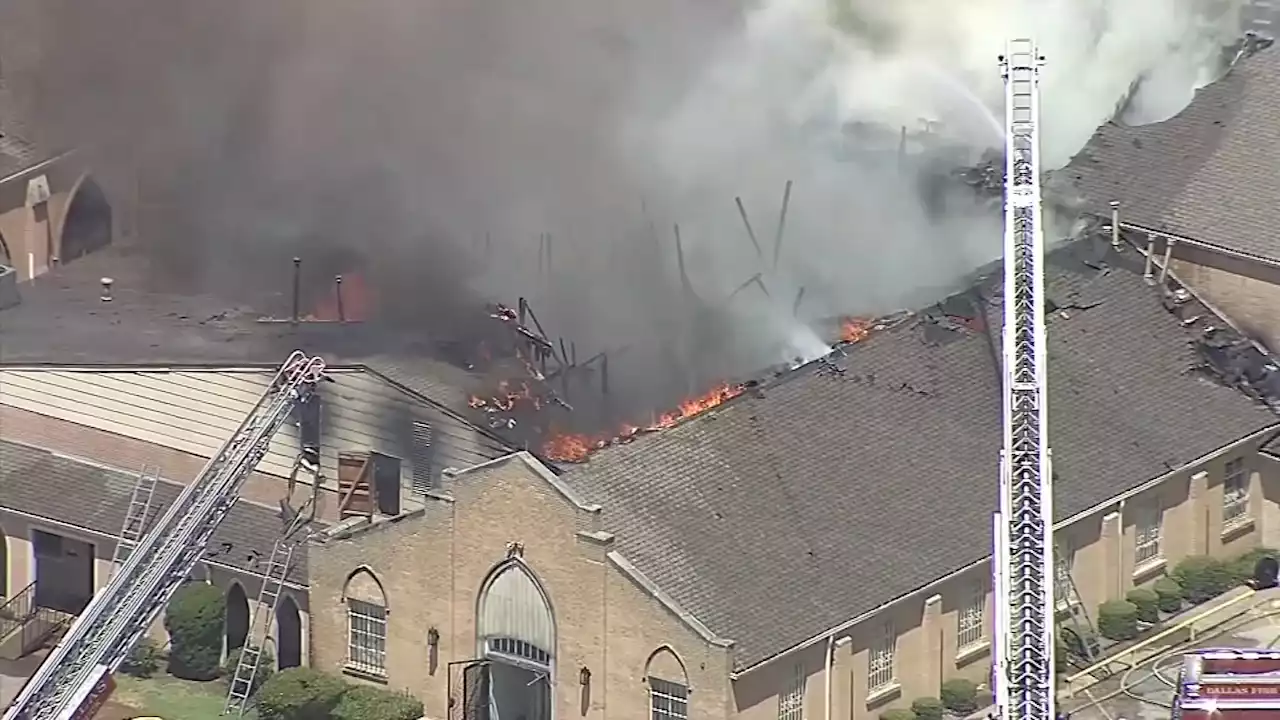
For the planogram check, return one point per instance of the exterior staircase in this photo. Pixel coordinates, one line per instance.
(25, 626)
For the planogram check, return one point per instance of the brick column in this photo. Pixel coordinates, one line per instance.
(1114, 564)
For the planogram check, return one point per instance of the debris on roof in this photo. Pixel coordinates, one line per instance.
(787, 484)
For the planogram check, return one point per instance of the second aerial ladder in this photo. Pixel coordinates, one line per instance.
(78, 671)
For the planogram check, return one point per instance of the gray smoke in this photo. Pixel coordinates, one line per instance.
(435, 141)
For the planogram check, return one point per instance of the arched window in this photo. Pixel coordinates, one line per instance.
(366, 623)
(515, 620)
(668, 686)
(516, 630)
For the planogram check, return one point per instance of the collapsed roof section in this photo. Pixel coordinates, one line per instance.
(757, 516)
(1207, 173)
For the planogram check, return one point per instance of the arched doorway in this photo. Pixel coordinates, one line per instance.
(87, 225)
(517, 634)
(237, 617)
(289, 634)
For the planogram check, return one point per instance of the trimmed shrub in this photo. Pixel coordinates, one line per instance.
(960, 696)
(1118, 620)
(1147, 603)
(928, 708)
(898, 714)
(1242, 566)
(299, 693)
(195, 618)
(1169, 594)
(1075, 638)
(364, 702)
(1202, 578)
(266, 668)
(144, 660)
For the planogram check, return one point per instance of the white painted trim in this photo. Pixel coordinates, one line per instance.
(850, 624)
(1221, 250)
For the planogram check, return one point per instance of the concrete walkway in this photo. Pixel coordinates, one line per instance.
(14, 674)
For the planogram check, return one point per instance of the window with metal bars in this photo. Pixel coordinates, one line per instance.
(668, 700)
(1146, 549)
(971, 630)
(791, 701)
(880, 667)
(367, 637)
(1235, 493)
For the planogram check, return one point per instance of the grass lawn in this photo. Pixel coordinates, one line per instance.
(172, 699)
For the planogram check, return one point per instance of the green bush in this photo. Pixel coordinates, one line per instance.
(1075, 638)
(1242, 566)
(1202, 578)
(144, 659)
(897, 714)
(266, 668)
(1169, 593)
(960, 696)
(1118, 620)
(364, 702)
(299, 694)
(1147, 602)
(195, 618)
(928, 708)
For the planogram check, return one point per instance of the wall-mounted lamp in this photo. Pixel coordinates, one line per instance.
(584, 676)
(433, 637)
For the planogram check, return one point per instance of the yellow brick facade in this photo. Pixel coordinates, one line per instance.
(431, 567)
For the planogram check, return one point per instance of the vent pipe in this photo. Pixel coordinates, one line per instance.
(337, 290)
(1151, 253)
(297, 289)
(1115, 224)
(1168, 257)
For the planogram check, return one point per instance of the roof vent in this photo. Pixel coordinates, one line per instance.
(106, 289)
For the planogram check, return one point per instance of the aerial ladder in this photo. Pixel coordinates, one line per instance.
(1023, 559)
(75, 679)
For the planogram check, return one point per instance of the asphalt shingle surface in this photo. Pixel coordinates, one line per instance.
(1209, 173)
(63, 320)
(849, 483)
(59, 488)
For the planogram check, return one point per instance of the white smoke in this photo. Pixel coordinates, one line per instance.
(778, 97)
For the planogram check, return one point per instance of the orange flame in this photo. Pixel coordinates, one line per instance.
(506, 398)
(854, 330)
(577, 447)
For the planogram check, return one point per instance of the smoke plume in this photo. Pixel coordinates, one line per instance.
(433, 143)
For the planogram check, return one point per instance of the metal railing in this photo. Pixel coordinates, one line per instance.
(18, 610)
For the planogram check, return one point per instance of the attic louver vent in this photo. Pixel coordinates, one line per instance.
(423, 456)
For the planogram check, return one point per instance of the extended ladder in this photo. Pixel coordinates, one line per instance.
(136, 516)
(264, 613)
(1078, 616)
(69, 680)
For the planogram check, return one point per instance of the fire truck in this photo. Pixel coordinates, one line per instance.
(1228, 684)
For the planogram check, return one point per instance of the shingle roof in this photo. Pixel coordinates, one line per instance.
(17, 150)
(861, 478)
(62, 320)
(1209, 173)
(82, 494)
